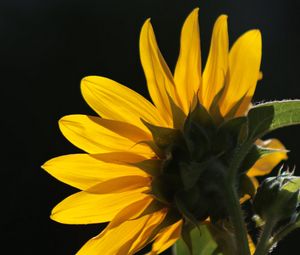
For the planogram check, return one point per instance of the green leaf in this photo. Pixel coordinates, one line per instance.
(266, 117)
(202, 243)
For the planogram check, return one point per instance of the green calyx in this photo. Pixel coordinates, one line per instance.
(277, 198)
(193, 164)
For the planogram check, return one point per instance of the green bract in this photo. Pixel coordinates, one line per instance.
(278, 197)
(194, 163)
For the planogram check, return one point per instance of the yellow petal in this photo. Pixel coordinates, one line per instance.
(187, 73)
(153, 222)
(255, 185)
(159, 78)
(243, 70)
(265, 164)
(246, 101)
(251, 245)
(120, 184)
(120, 239)
(244, 198)
(95, 135)
(217, 63)
(112, 100)
(88, 208)
(133, 211)
(83, 171)
(166, 238)
(119, 157)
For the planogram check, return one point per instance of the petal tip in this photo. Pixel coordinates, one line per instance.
(147, 23)
(255, 33)
(193, 14)
(195, 10)
(223, 17)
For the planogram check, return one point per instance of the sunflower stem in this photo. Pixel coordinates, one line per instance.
(234, 207)
(237, 221)
(264, 243)
(267, 241)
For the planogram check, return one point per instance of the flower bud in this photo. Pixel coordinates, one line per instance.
(277, 198)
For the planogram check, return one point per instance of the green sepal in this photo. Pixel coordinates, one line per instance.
(150, 166)
(178, 115)
(230, 134)
(266, 117)
(215, 108)
(236, 128)
(160, 153)
(183, 206)
(164, 186)
(163, 137)
(200, 116)
(197, 140)
(201, 242)
(191, 172)
(199, 129)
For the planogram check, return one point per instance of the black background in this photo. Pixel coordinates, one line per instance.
(48, 46)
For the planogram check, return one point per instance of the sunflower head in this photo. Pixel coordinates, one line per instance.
(193, 163)
(151, 170)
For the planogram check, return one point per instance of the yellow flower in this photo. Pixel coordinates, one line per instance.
(118, 173)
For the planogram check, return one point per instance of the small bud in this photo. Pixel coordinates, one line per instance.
(277, 197)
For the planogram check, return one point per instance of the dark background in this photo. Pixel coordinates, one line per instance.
(48, 46)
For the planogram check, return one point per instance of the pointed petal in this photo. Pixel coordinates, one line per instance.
(131, 212)
(159, 78)
(251, 245)
(120, 184)
(166, 238)
(265, 164)
(83, 171)
(120, 239)
(187, 73)
(97, 135)
(112, 100)
(154, 221)
(246, 100)
(244, 198)
(217, 63)
(244, 65)
(88, 208)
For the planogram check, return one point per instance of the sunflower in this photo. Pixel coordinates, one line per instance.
(138, 172)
